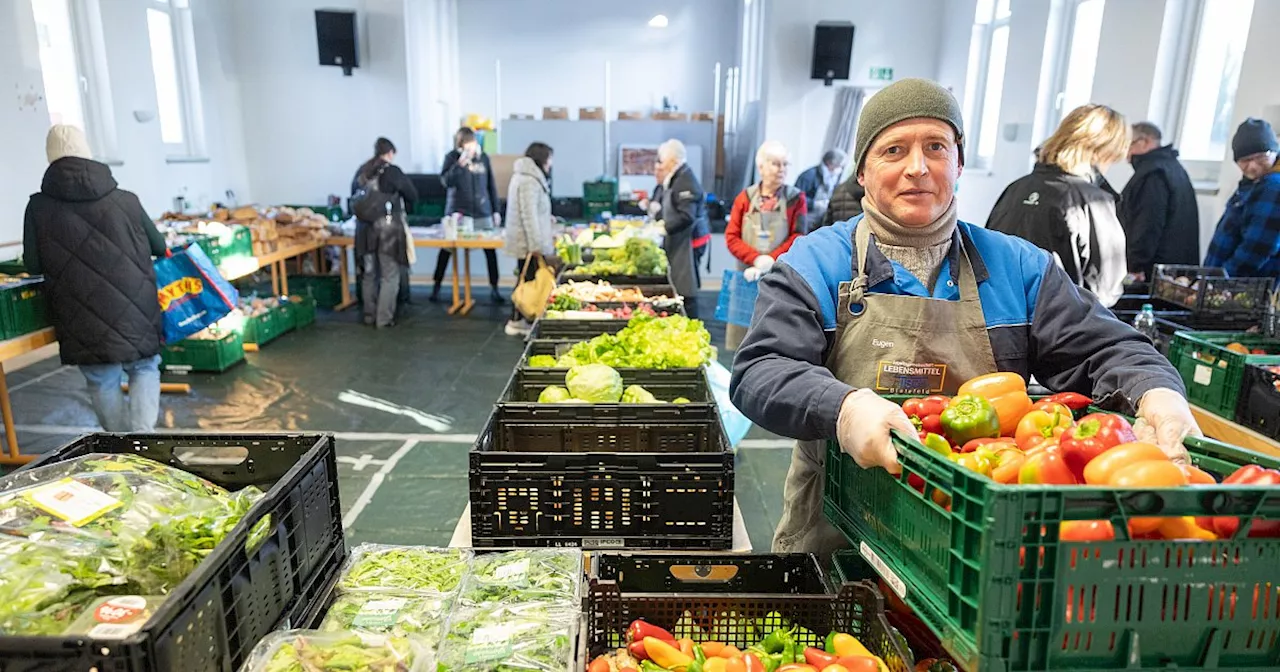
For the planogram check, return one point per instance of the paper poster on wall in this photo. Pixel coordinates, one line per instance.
(637, 159)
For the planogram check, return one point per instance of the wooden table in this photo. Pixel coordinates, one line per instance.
(16, 347)
(462, 302)
(1226, 431)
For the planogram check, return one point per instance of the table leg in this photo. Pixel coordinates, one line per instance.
(344, 271)
(457, 302)
(467, 303)
(284, 278)
(10, 433)
(275, 280)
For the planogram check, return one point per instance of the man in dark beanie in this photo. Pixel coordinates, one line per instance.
(1247, 241)
(907, 300)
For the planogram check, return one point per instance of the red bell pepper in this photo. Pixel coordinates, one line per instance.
(1094, 434)
(931, 423)
(922, 408)
(639, 629)
(1227, 526)
(1045, 467)
(819, 658)
(1072, 400)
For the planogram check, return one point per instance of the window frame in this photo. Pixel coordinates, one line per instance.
(1201, 171)
(194, 147)
(983, 34)
(1062, 64)
(96, 102)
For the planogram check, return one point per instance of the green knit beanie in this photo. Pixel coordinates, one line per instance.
(902, 100)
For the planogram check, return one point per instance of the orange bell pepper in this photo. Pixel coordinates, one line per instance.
(1007, 392)
(1038, 426)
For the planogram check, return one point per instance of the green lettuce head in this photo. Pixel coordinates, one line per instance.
(553, 395)
(634, 394)
(595, 383)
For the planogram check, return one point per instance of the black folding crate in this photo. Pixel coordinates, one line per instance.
(1208, 291)
(526, 384)
(731, 595)
(608, 481)
(1259, 405)
(212, 620)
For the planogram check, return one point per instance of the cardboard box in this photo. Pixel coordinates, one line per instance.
(596, 113)
(670, 116)
(703, 116)
(521, 116)
(555, 113)
(630, 116)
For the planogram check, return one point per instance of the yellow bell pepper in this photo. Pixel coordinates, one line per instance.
(848, 645)
(1185, 527)
(715, 665)
(666, 655)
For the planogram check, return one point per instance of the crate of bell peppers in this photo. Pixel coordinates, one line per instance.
(1041, 535)
(758, 613)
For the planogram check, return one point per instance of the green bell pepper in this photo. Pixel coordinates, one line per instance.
(970, 417)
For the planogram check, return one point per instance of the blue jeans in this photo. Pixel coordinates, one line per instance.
(104, 382)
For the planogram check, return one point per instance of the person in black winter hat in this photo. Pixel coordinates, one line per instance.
(1247, 240)
(93, 243)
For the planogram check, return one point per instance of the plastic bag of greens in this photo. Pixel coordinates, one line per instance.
(418, 616)
(551, 574)
(316, 651)
(400, 569)
(106, 525)
(509, 638)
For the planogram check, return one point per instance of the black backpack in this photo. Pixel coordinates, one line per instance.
(370, 203)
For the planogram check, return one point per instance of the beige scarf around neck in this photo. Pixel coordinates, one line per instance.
(889, 232)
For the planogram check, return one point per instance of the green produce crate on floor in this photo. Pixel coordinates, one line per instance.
(325, 289)
(196, 355)
(303, 309)
(284, 318)
(12, 267)
(1212, 373)
(23, 308)
(263, 328)
(991, 577)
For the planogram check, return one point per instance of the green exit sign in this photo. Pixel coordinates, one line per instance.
(883, 74)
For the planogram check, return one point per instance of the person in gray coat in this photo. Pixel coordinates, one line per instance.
(530, 225)
(683, 209)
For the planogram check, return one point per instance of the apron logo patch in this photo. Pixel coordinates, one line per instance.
(910, 377)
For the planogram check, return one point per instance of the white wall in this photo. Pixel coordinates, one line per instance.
(553, 53)
(306, 126)
(903, 35)
(24, 119)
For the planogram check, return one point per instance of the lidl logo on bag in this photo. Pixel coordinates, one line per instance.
(178, 290)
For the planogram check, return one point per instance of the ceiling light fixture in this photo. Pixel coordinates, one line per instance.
(658, 21)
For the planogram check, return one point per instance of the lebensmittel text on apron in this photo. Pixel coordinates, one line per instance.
(893, 344)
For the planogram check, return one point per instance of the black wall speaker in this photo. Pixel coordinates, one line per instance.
(336, 38)
(832, 50)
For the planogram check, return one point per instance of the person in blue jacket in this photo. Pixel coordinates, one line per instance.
(905, 299)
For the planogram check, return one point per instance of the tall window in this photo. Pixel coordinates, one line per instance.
(59, 66)
(984, 85)
(1204, 132)
(1081, 55)
(173, 65)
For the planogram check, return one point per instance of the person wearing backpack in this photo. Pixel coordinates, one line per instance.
(384, 194)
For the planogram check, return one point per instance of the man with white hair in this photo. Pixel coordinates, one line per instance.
(819, 183)
(766, 219)
(684, 213)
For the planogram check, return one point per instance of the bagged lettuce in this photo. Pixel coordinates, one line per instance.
(551, 575)
(418, 616)
(315, 651)
(404, 569)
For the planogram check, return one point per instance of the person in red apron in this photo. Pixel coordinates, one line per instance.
(905, 299)
(766, 219)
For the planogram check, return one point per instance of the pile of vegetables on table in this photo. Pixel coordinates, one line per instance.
(403, 608)
(993, 427)
(782, 647)
(638, 256)
(104, 525)
(578, 293)
(599, 384)
(673, 342)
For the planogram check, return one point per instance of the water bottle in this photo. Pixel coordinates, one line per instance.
(1145, 323)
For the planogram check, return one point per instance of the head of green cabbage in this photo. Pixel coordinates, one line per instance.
(595, 383)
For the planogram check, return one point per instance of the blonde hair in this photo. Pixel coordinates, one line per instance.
(1090, 135)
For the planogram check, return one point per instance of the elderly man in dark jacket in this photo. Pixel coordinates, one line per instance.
(93, 242)
(1158, 205)
(846, 203)
(684, 213)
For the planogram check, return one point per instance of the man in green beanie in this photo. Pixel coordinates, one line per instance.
(906, 300)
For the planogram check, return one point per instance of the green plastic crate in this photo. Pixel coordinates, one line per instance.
(325, 289)
(1141, 606)
(593, 209)
(262, 329)
(303, 309)
(23, 308)
(284, 318)
(603, 191)
(1212, 373)
(195, 355)
(12, 267)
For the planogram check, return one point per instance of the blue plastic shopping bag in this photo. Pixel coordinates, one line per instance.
(193, 294)
(736, 425)
(737, 299)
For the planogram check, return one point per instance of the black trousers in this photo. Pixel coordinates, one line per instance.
(490, 257)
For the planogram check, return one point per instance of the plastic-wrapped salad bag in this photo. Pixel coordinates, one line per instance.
(509, 638)
(536, 575)
(315, 651)
(421, 617)
(404, 569)
(102, 525)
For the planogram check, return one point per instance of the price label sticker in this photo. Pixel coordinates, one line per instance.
(512, 572)
(72, 501)
(1204, 374)
(379, 613)
(890, 577)
(490, 643)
